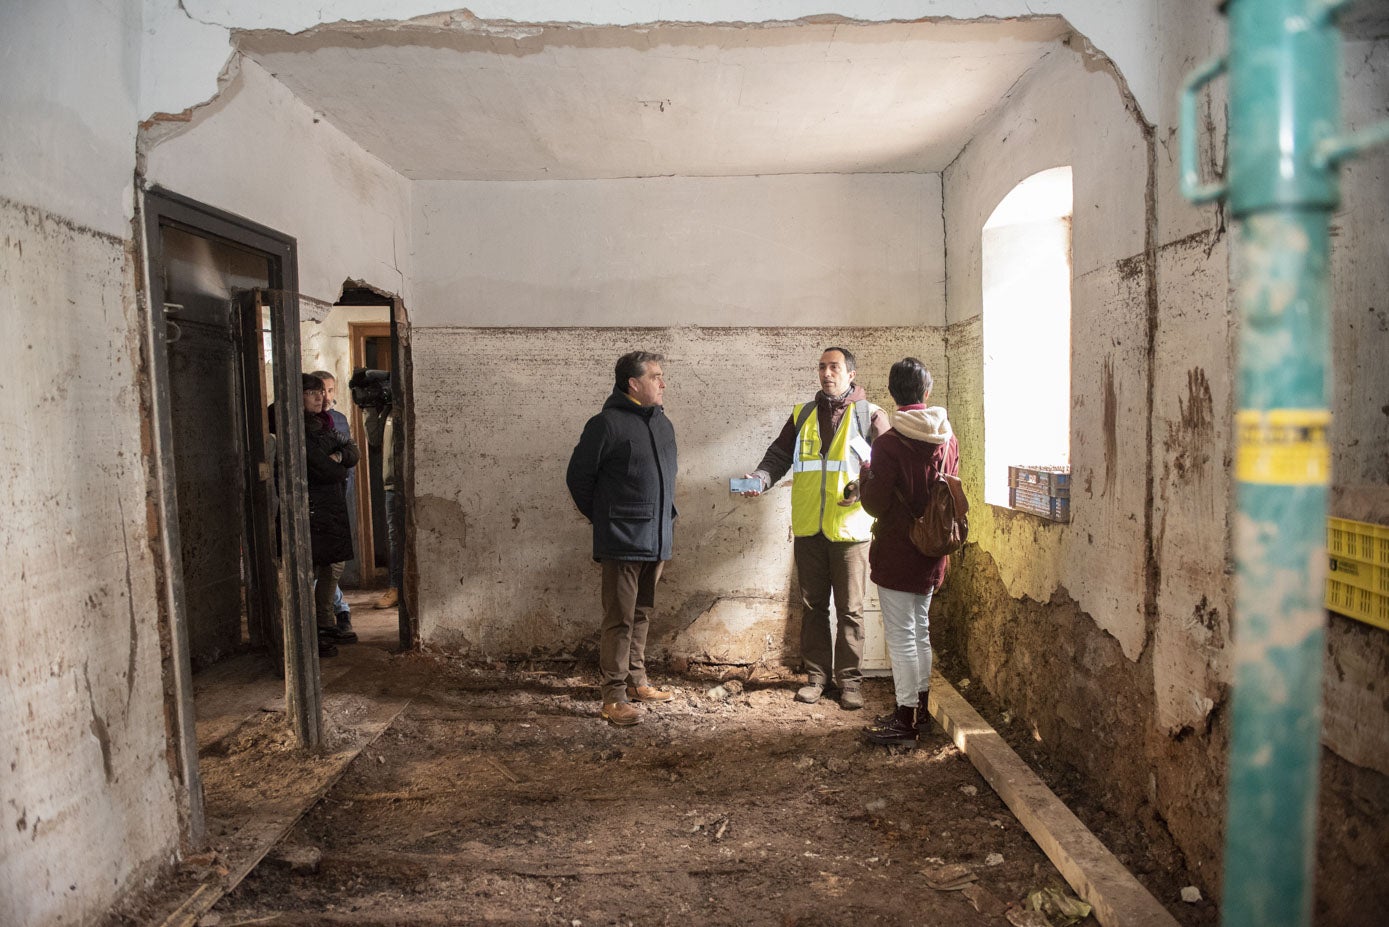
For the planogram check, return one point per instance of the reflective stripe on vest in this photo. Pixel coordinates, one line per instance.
(818, 481)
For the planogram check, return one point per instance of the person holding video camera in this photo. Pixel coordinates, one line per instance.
(371, 391)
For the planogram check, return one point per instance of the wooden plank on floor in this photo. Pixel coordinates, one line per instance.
(1092, 871)
(248, 846)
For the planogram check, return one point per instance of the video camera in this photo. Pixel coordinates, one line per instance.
(371, 389)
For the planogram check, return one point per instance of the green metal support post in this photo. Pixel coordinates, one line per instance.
(1284, 112)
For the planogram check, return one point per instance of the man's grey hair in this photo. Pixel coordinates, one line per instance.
(324, 375)
(633, 366)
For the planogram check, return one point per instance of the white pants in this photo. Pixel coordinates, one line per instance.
(906, 625)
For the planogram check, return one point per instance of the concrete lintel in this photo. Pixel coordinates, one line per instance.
(1095, 874)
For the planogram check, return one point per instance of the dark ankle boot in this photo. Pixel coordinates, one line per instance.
(900, 730)
(923, 714)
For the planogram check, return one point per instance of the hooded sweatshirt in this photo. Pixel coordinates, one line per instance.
(919, 445)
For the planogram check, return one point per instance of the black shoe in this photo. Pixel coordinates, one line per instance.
(344, 621)
(923, 712)
(901, 730)
(337, 635)
(327, 648)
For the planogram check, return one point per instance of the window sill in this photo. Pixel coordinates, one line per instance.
(1010, 514)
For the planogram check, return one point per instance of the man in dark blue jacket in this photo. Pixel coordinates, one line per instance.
(622, 478)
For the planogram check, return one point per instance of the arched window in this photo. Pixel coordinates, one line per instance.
(1027, 330)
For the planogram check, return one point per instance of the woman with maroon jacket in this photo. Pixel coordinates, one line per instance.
(894, 489)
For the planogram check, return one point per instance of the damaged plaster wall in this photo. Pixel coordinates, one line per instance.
(1070, 112)
(504, 557)
(1055, 619)
(1354, 811)
(800, 249)
(1143, 723)
(89, 805)
(645, 260)
(260, 153)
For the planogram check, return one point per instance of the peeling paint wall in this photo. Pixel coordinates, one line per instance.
(819, 249)
(1134, 694)
(1068, 113)
(259, 153)
(504, 557)
(88, 800)
(1354, 810)
(1059, 620)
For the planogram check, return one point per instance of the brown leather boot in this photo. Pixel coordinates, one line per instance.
(648, 694)
(389, 599)
(621, 714)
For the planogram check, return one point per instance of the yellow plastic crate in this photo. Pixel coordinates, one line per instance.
(1357, 584)
(1360, 575)
(1362, 604)
(1358, 540)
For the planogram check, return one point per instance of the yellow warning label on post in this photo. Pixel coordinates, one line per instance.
(1283, 447)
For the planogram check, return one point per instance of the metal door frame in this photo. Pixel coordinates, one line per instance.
(159, 208)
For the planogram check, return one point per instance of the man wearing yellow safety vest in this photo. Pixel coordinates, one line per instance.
(823, 444)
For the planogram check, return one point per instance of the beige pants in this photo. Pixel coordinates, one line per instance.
(325, 576)
(629, 594)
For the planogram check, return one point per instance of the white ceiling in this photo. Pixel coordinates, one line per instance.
(444, 101)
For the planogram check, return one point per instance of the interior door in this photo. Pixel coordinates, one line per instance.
(207, 409)
(261, 553)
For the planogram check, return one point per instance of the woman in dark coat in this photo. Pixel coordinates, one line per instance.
(894, 489)
(330, 458)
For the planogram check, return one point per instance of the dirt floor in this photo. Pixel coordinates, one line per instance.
(498, 796)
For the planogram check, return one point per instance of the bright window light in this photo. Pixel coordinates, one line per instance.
(1027, 330)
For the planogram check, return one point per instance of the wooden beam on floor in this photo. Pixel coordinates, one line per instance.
(249, 845)
(1092, 871)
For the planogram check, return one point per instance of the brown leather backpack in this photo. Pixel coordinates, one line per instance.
(943, 527)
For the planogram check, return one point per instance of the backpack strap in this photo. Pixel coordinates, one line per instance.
(905, 504)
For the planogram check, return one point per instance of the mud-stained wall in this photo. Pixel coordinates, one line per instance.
(258, 152)
(88, 799)
(1354, 811)
(1057, 620)
(87, 795)
(818, 249)
(1136, 703)
(1070, 112)
(504, 557)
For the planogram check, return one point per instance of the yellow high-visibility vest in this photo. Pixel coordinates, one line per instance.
(818, 480)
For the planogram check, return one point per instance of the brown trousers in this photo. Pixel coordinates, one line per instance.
(841, 568)
(629, 594)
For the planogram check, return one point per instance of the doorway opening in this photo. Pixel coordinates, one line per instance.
(366, 333)
(233, 503)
